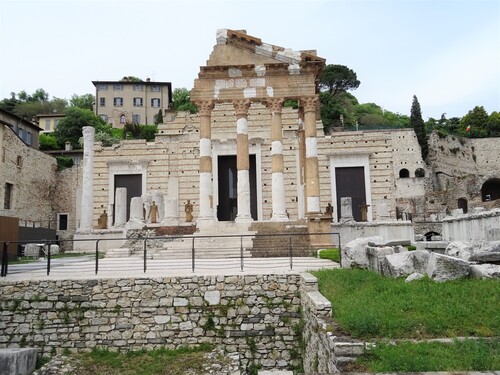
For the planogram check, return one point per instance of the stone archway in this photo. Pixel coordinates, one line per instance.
(490, 190)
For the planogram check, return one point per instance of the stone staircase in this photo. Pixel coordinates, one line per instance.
(275, 239)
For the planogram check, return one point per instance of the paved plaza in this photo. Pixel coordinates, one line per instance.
(84, 268)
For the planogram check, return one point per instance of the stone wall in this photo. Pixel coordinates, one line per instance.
(32, 174)
(256, 316)
(476, 226)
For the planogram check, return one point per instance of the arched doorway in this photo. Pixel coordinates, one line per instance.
(462, 203)
(404, 173)
(490, 190)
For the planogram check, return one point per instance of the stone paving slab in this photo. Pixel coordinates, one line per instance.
(134, 267)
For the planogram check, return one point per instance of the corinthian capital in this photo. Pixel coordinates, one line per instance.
(241, 107)
(205, 107)
(309, 103)
(275, 104)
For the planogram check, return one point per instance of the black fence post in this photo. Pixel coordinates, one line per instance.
(192, 255)
(48, 259)
(145, 254)
(5, 259)
(241, 252)
(290, 252)
(96, 256)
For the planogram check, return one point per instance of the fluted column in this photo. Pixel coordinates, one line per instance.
(206, 184)
(87, 186)
(242, 160)
(312, 169)
(277, 169)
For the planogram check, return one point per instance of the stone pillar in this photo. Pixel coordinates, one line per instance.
(136, 220)
(278, 179)
(206, 184)
(311, 168)
(87, 186)
(172, 203)
(242, 160)
(120, 206)
(346, 209)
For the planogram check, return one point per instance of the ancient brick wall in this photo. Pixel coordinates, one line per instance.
(33, 176)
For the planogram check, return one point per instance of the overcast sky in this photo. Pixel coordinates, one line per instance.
(447, 52)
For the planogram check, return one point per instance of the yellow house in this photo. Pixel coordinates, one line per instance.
(125, 101)
(48, 122)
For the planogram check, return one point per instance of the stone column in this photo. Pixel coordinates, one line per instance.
(278, 179)
(120, 206)
(206, 184)
(87, 186)
(242, 160)
(311, 168)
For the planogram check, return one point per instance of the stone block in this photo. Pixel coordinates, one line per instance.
(486, 257)
(444, 268)
(354, 252)
(405, 263)
(485, 271)
(18, 361)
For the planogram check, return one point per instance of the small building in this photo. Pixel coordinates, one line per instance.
(49, 121)
(126, 101)
(27, 131)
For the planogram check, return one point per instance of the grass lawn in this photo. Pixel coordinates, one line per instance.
(468, 355)
(332, 254)
(23, 260)
(155, 362)
(367, 305)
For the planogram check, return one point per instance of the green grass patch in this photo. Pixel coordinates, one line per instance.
(468, 355)
(156, 362)
(23, 260)
(332, 254)
(368, 305)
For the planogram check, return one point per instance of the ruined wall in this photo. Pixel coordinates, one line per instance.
(252, 315)
(33, 175)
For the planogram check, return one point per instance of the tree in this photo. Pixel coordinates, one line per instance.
(70, 127)
(131, 79)
(28, 106)
(417, 123)
(475, 123)
(494, 124)
(48, 142)
(338, 78)
(85, 101)
(158, 118)
(182, 102)
(338, 111)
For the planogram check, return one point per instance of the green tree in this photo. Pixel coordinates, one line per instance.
(475, 123)
(494, 124)
(48, 142)
(338, 78)
(85, 101)
(158, 118)
(70, 127)
(182, 102)
(131, 79)
(29, 105)
(417, 123)
(9, 104)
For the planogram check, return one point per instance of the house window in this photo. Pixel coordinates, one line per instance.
(102, 87)
(62, 221)
(21, 133)
(102, 102)
(7, 199)
(136, 119)
(47, 124)
(155, 102)
(19, 161)
(155, 88)
(29, 138)
(137, 102)
(118, 102)
(123, 119)
(118, 87)
(138, 87)
(104, 118)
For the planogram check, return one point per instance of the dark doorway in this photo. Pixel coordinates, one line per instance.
(350, 182)
(133, 183)
(462, 203)
(490, 190)
(228, 188)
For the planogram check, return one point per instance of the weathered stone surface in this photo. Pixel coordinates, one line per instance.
(212, 297)
(486, 257)
(354, 252)
(406, 263)
(376, 256)
(18, 361)
(485, 271)
(414, 277)
(444, 268)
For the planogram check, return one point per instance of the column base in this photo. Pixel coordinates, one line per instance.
(280, 217)
(243, 219)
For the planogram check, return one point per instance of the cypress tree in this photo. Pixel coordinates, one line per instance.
(417, 123)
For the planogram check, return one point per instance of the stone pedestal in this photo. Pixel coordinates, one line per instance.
(320, 229)
(136, 220)
(346, 210)
(120, 207)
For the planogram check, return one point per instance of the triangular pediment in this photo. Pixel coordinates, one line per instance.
(235, 47)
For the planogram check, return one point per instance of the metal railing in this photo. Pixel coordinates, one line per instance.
(193, 249)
